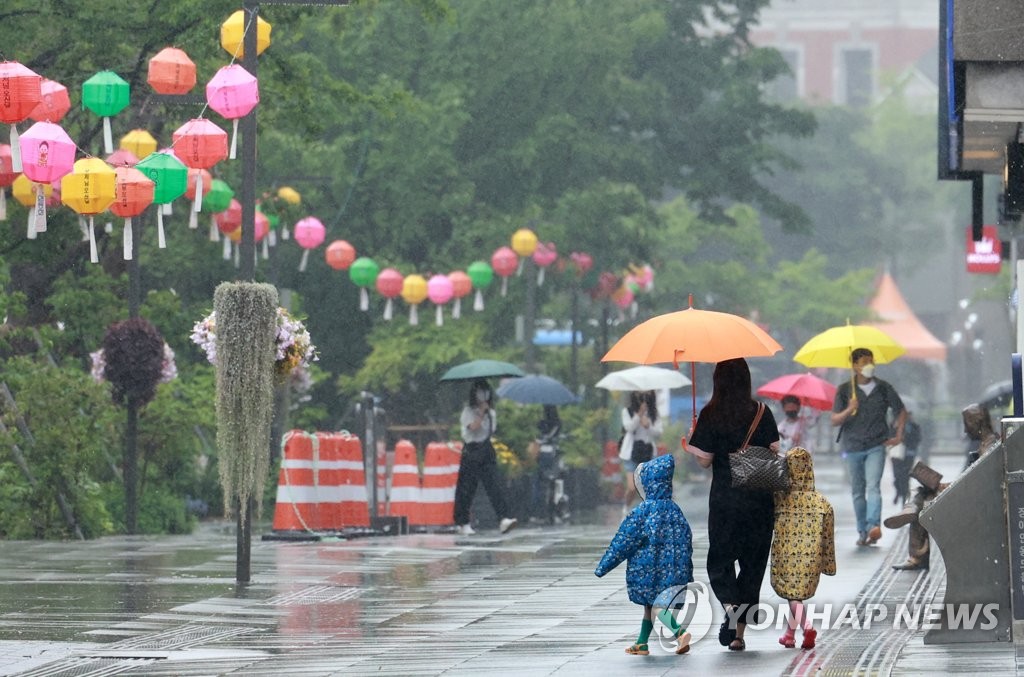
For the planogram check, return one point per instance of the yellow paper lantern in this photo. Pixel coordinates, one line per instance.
(89, 189)
(524, 242)
(140, 142)
(289, 195)
(414, 292)
(24, 190)
(232, 34)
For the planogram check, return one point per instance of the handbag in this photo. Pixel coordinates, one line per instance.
(626, 446)
(758, 468)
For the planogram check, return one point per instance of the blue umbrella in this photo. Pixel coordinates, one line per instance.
(536, 389)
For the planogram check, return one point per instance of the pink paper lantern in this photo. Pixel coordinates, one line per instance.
(310, 234)
(584, 262)
(47, 154)
(233, 92)
(504, 261)
(623, 297)
(55, 102)
(389, 285)
(544, 255)
(261, 224)
(122, 158)
(440, 291)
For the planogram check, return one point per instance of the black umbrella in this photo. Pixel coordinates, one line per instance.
(998, 394)
(536, 389)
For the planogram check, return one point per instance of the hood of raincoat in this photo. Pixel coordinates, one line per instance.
(801, 469)
(656, 477)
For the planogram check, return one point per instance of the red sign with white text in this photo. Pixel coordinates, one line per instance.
(985, 255)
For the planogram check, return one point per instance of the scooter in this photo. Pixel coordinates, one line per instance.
(552, 467)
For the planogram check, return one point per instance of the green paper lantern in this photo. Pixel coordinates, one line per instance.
(218, 198)
(106, 94)
(168, 173)
(273, 219)
(480, 274)
(363, 272)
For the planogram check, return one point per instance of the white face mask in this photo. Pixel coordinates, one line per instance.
(868, 370)
(481, 396)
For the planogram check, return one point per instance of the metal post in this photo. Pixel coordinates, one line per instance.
(370, 451)
(530, 271)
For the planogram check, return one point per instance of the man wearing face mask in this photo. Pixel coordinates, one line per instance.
(861, 409)
(793, 426)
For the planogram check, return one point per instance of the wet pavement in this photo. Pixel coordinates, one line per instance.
(526, 603)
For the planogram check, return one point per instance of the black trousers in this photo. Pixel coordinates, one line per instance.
(478, 464)
(739, 543)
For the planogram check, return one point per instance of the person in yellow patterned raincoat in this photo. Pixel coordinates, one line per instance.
(804, 544)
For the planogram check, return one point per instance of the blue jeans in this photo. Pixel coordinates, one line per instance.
(865, 482)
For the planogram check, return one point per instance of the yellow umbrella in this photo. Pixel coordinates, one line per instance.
(832, 348)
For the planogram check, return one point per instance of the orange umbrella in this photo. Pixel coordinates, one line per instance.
(692, 335)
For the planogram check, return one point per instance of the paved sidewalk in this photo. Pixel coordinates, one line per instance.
(526, 603)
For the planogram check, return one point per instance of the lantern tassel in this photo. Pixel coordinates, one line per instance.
(31, 234)
(108, 137)
(168, 208)
(302, 262)
(39, 222)
(234, 139)
(161, 241)
(272, 238)
(193, 218)
(504, 285)
(439, 316)
(227, 248)
(128, 239)
(3, 204)
(197, 205)
(519, 268)
(388, 309)
(93, 254)
(238, 255)
(457, 309)
(285, 234)
(364, 299)
(540, 277)
(478, 301)
(214, 231)
(15, 150)
(414, 317)
(266, 248)
(84, 227)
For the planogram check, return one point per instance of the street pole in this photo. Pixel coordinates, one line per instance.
(529, 270)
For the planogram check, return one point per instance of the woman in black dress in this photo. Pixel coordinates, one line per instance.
(740, 521)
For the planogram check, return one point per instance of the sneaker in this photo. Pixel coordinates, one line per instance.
(507, 524)
(874, 535)
(466, 530)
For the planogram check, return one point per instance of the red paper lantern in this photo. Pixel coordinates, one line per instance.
(231, 218)
(171, 72)
(461, 287)
(20, 93)
(340, 255)
(504, 261)
(200, 143)
(133, 192)
(544, 255)
(54, 105)
(122, 158)
(389, 285)
(583, 261)
(7, 177)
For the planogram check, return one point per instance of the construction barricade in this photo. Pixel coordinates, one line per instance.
(440, 474)
(404, 497)
(321, 484)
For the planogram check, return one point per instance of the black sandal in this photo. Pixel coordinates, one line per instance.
(737, 645)
(726, 634)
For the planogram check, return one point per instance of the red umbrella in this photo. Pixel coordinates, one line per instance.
(812, 391)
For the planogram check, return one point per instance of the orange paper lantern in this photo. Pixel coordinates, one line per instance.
(340, 255)
(171, 72)
(20, 93)
(133, 192)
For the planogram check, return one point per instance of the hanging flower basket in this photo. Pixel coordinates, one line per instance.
(293, 346)
(168, 369)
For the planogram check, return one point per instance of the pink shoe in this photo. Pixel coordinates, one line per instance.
(787, 640)
(809, 637)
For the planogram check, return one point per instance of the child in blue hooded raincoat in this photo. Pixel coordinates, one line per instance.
(656, 541)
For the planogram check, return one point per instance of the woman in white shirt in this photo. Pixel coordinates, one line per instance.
(642, 425)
